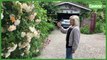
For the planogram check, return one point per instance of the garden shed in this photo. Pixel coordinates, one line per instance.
(66, 9)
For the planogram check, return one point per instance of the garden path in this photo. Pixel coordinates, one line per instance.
(91, 46)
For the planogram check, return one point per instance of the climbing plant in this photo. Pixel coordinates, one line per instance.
(24, 28)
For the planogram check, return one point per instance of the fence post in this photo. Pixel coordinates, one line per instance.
(93, 22)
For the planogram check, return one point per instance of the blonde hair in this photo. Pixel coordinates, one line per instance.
(76, 19)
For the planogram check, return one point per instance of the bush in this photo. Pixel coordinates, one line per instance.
(85, 29)
(24, 28)
(100, 27)
(104, 28)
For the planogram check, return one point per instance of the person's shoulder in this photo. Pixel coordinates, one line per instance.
(76, 28)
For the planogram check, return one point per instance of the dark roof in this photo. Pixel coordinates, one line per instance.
(73, 5)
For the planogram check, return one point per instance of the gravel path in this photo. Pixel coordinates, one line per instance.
(91, 46)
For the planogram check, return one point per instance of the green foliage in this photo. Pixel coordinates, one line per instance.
(11, 38)
(100, 27)
(85, 29)
(50, 8)
(104, 28)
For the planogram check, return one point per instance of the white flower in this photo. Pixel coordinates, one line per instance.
(32, 6)
(27, 8)
(24, 5)
(22, 54)
(38, 21)
(23, 45)
(35, 33)
(19, 45)
(2, 16)
(12, 28)
(38, 36)
(28, 47)
(31, 17)
(29, 39)
(7, 54)
(29, 35)
(35, 13)
(11, 49)
(23, 34)
(26, 52)
(17, 2)
(37, 50)
(17, 22)
(32, 29)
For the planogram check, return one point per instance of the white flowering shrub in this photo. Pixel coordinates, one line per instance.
(24, 28)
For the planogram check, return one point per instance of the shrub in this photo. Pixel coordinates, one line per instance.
(99, 27)
(24, 28)
(85, 29)
(103, 27)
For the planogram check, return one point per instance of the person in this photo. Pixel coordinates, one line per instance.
(72, 35)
